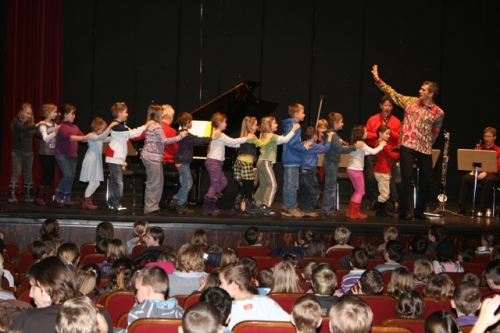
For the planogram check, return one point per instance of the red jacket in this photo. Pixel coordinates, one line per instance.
(170, 150)
(383, 164)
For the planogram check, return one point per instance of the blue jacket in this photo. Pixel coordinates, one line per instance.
(293, 149)
(310, 157)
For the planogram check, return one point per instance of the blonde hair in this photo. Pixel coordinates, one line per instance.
(423, 270)
(342, 235)
(116, 249)
(69, 253)
(86, 281)
(321, 122)
(47, 109)
(391, 233)
(401, 281)
(97, 124)
(190, 259)
(80, 315)
(306, 313)
(228, 256)
(350, 314)
(139, 230)
(19, 116)
(167, 110)
(294, 108)
(440, 286)
(155, 113)
(285, 279)
(265, 126)
(246, 124)
(217, 119)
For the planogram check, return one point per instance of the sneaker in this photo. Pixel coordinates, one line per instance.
(295, 212)
(311, 214)
(266, 210)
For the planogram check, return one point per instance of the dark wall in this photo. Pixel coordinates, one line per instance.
(187, 52)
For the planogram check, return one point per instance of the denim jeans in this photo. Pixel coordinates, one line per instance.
(310, 190)
(115, 185)
(67, 164)
(331, 171)
(218, 180)
(290, 186)
(186, 184)
(22, 161)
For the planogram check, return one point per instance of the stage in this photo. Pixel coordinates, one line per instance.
(21, 223)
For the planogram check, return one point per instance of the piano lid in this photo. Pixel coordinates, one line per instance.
(237, 103)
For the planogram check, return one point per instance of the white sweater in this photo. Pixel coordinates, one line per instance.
(217, 147)
(357, 161)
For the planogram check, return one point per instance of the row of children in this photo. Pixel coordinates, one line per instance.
(300, 160)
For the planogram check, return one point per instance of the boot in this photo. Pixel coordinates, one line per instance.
(87, 204)
(40, 195)
(183, 209)
(237, 204)
(209, 207)
(67, 200)
(380, 212)
(11, 198)
(349, 210)
(248, 208)
(49, 195)
(355, 214)
(28, 193)
(59, 199)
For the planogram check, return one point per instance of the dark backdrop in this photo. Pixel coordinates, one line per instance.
(187, 52)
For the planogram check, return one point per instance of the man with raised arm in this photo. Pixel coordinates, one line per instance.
(421, 125)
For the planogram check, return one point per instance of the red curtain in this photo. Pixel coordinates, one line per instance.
(34, 68)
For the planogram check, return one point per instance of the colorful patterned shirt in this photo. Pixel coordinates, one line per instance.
(421, 123)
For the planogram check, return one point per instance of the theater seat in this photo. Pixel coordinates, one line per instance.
(155, 325)
(252, 326)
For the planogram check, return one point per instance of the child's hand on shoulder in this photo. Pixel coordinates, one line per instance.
(88, 135)
(149, 123)
(383, 143)
(308, 144)
(113, 124)
(250, 136)
(41, 122)
(330, 135)
(359, 144)
(183, 133)
(295, 127)
(216, 134)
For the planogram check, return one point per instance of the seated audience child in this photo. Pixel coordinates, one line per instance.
(422, 272)
(291, 258)
(444, 260)
(440, 286)
(307, 270)
(410, 305)
(120, 276)
(466, 254)
(70, 254)
(392, 254)
(221, 300)
(418, 247)
(4, 294)
(285, 279)
(139, 231)
(492, 275)
(250, 263)
(371, 283)
(390, 233)
(368, 247)
(466, 301)
(50, 230)
(342, 236)
(436, 234)
(350, 314)
(253, 236)
(86, 283)
(80, 315)
(166, 260)
(228, 256)
(208, 281)
(306, 314)
(469, 277)
(101, 246)
(401, 281)
(115, 250)
(104, 230)
(151, 286)
(236, 279)
(324, 283)
(441, 321)
(39, 250)
(199, 238)
(304, 237)
(487, 242)
(189, 268)
(264, 281)
(201, 317)
(316, 247)
(154, 239)
(359, 261)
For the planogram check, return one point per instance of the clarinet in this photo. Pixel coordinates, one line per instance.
(444, 168)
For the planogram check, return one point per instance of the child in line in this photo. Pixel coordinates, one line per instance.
(321, 128)
(306, 314)
(46, 153)
(264, 196)
(466, 301)
(68, 137)
(383, 170)
(151, 286)
(152, 157)
(308, 179)
(23, 127)
(331, 162)
(92, 162)
(355, 170)
(291, 158)
(139, 230)
(350, 314)
(183, 161)
(243, 168)
(116, 153)
(215, 159)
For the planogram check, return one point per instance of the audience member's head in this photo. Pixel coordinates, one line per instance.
(94, 268)
(316, 247)
(292, 258)
(359, 259)
(393, 250)
(371, 282)
(253, 236)
(492, 274)
(423, 270)
(104, 230)
(350, 314)
(370, 249)
(86, 281)
(440, 322)
(140, 230)
(445, 251)
(466, 254)
(42, 249)
(307, 270)
(304, 236)
(101, 246)
(250, 263)
(401, 281)
(151, 283)
(466, 299)
(201, 317)
(50, 228)
(120, 275)
(221, 300)
(324, 280)
(418, 245)
(342, 235)
(265, 278)
(469, 277)
(488, 238)
(306, 314)
(154, 236)
(69, 253)
(190, 259)
(199, 238)
(440, 286)
(437, 233)
(390, 233)
(410, 305)
(80, 315)
(212, 279)
(229, 256)
(235, 279)
(167, 257)
(116, 249)
(285, 279)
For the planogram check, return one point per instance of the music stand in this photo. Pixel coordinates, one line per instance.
(480, 160)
